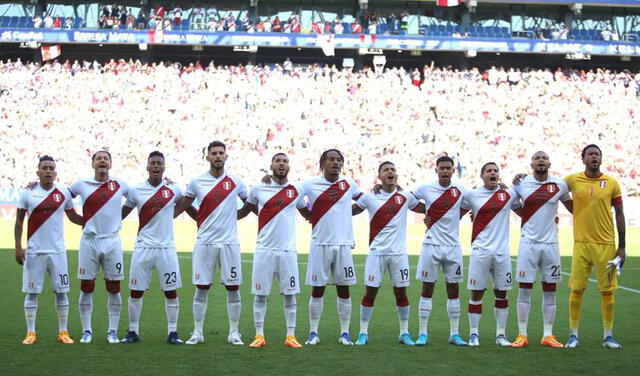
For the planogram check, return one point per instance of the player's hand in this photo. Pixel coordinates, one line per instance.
(427, 221)
(502, 185)
(168, 181)
(518, 178)
(20, 256)
(266, 179)
(622, 254)
(31, 186)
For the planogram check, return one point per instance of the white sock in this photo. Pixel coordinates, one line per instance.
(453, 311)
(315, 311)
(290, 310)
(259, 312)
(30, 309)
(85, 306)
(548, 311)
(134, 306)
(171, 308)
(524, 306)
(199, 309)
(424, 311)
(114, 306)
(474, 318)
(62, 309)
(403, 318)
(365, 316)
(607, 333)
(573, 331)
(501, 315)
(344, 313)
(233, 309)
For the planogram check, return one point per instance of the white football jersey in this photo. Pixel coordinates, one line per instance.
(155, 213)
(277, 206)
(218, 211)
(540, 207)
(443, 210)
(101, 204)
(387, 220)
(330, 205)
(491, 210)
(44, 226)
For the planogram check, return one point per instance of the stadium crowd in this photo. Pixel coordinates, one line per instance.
(71, 109)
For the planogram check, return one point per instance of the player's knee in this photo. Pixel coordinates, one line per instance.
(136, 294)
(367, 301)
(548, 287)
(343, 292)
(500, 294)
(173, 294)
(402, 301)
(203, 287)
(606, 293)
(577, 292)
(317, 292)
(113, 287)
(525, 285)
(232, 287)
(427, 289)
(87, 286)
(452, 291)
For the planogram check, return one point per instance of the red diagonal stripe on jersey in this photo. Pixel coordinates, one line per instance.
(97, 199)
(440, 206)
(327, 199)
(538, 198)
(43, 211)
(153, 205)
(489, 210)
(385, 214)
(275, 205)
(214, 198)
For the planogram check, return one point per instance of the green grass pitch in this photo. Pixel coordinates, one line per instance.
(382, 356)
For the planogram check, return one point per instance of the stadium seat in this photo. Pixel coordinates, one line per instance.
(185, 24)
(346, 27)
(382, 28)
(441, 28)
(422, 30)
(78, 23)
(450, 29)
(4, 21)
(14, 21)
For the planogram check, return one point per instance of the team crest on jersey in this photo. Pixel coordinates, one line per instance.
(424, 273)
(502, 196)
(472, 282)
(342, 186)
(111, 186)
(521, 274)
(57, 197)
(133, 281)
(290, 193)
(226, 185)
(371, 278)
(165, 193)
(399, 200)
(258, 286)
(551, 188)
(603, 184)
(455, 192)
(314, 277)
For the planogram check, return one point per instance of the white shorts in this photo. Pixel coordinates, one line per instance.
(35, 265)
(163, 260)
(482, 263)
(205, 259)
(269, 264)
(376, 265)
(96, 252)
(432, 257)
(330, 260)
(542, 257)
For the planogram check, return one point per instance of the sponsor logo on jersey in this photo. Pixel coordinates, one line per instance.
(111, 186)
(290, 193)
(603, 184)
(226, 185)
(165, 193)
(502, 196)
(57, 197)
(342, 186)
